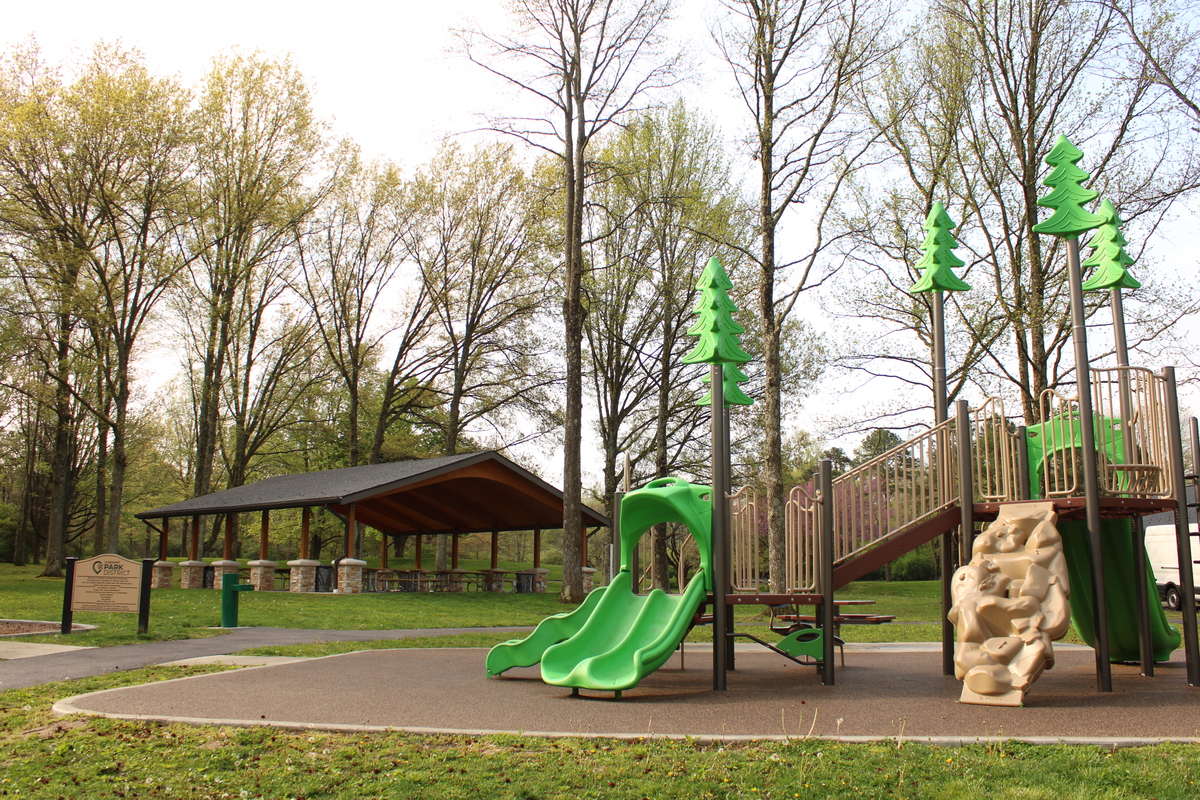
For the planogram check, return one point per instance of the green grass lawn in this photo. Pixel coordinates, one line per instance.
(89, 757)
(53, 757)
(180, 614)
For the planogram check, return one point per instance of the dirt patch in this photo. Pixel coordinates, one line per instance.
(9, 627)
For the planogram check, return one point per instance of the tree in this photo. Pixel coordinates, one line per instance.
(259, 150)
(590, 62)
(1166, 34)
(477, 241)
(92, 190)
(966, 113)
(663, 205)
(796, 64)
(349, 254)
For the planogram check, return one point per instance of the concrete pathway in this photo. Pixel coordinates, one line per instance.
(69, 663)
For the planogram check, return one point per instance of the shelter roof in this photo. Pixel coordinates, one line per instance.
(465, 493)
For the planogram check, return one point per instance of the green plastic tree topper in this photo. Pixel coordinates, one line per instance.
(1070, 218)
(718, 332)
(1108, 254)
(938, 262)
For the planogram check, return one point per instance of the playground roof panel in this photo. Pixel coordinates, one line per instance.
(464, 493)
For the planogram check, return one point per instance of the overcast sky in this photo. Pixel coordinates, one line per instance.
(383, 72)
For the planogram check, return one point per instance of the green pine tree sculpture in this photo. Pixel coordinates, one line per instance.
(938, 263)
(1108, 254)
(734, 396)
(718, 332)
(1070, 218)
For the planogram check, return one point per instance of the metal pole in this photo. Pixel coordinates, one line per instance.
(720, 515)
(614, 558)
(1087, 435)
(1142, 588)
(1024, 490)
(827, 608)
(1183, 531)
(940, 412)
(939, 359)
(144, 595)
(966, 524)
(1129, 456)
(68, 593)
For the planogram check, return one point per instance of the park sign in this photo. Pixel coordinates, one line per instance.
(107, 583)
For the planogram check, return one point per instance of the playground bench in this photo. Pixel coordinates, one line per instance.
(793, 621)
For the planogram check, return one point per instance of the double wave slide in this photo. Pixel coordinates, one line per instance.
(617, 637)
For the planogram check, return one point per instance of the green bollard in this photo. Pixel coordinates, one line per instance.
(229, 598)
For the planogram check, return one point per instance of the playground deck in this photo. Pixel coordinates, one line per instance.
(883, 692)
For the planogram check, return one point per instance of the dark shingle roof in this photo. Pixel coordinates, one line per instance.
(379, 490)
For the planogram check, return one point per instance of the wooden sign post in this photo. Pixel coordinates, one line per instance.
(107, 583)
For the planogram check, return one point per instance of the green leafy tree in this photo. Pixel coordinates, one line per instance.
(1108, 257)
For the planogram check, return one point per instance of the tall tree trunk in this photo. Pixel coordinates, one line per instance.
(572, 546)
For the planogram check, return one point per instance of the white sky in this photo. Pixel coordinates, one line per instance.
(382, 72)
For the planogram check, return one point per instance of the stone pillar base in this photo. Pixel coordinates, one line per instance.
(541, 578)
(163, 574)
(262, 575)
(493, 580)
(192, 574)
(589, 579)
(222, 568)
(304, 575)
(350, 576)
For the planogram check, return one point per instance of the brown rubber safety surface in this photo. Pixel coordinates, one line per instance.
(877, 694)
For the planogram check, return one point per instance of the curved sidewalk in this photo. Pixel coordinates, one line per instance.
(882, 693)
(85, 661)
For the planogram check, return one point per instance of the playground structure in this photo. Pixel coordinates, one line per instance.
(1098, 462)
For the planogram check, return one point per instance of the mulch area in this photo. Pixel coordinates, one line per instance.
(10, 627)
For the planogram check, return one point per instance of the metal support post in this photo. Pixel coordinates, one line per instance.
(966, 524)
(1183, 531)
(720, 515)
(1024, 490)
(827, 608)
(1091, 483)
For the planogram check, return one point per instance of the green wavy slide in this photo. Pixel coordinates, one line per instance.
(617, 637)
(1117, 538)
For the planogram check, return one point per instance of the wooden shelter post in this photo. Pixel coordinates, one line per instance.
(420, 546)
(454, 550)
(227, 551)
(537, 547)
(194, 550)
(495, 546)
(263, 535)
(305, 521)
(162, 575)
(383, 550)
(226, 566)
(350, 523)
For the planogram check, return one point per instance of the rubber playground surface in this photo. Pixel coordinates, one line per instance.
(882, 692)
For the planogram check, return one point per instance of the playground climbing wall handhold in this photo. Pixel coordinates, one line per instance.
(1010, 602)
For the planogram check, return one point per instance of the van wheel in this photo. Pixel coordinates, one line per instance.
(1173, 598)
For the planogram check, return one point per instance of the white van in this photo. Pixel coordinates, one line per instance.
(1163, 553)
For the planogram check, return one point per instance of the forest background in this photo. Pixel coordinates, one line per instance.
(205, 281)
